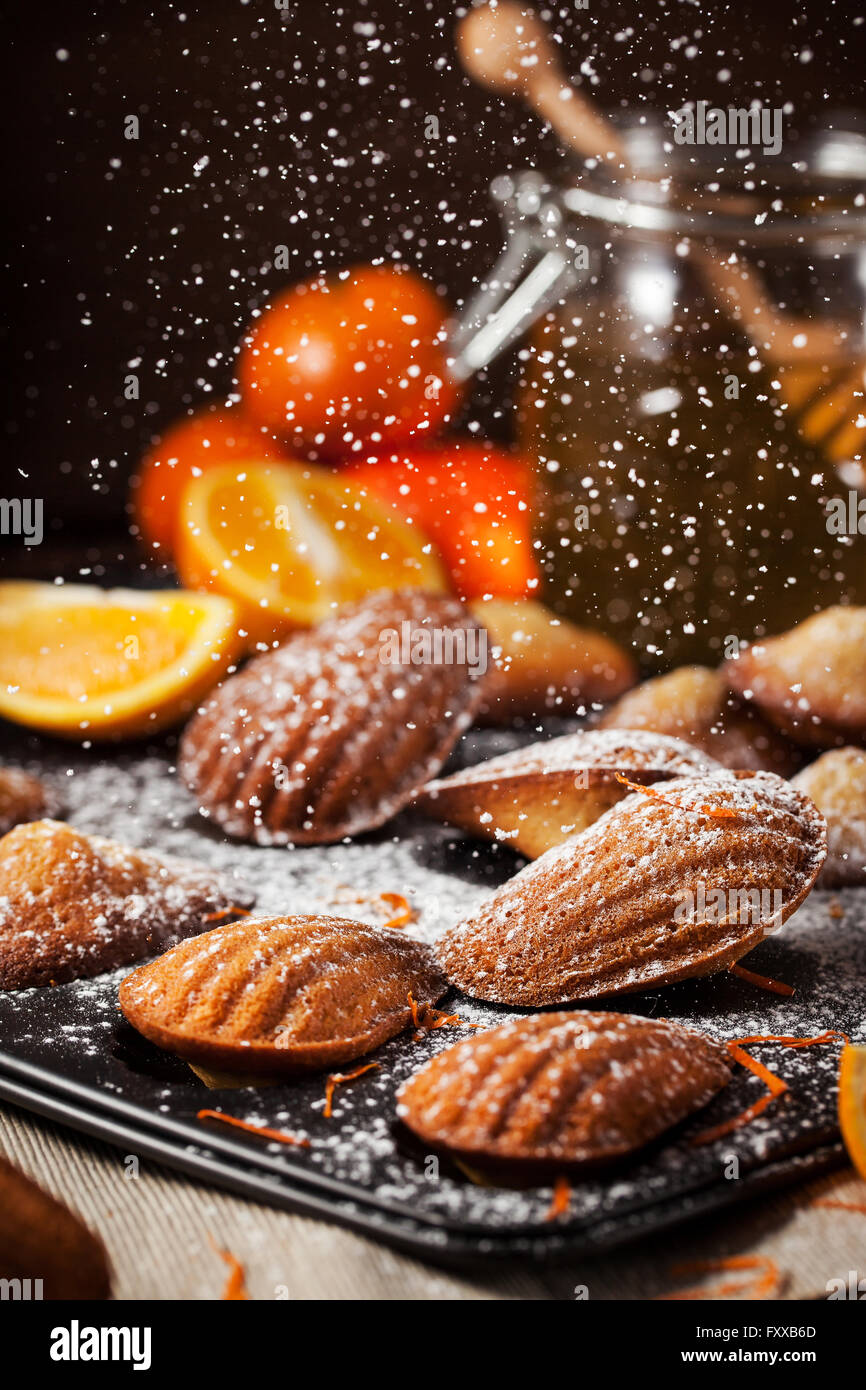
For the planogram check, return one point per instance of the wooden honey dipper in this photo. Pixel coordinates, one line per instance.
(508, 49)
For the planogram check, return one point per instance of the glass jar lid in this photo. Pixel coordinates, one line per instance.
(725, 192)
(810, 191)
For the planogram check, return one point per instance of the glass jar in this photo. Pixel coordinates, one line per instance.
(692, 388)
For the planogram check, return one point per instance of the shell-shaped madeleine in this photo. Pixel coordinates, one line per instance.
(73, 905)
(334, 732)
(836, 782)
(678, 880)
(562, 1088)
(536, 797)
(542, 663)
(811, 681)
(23, 798)
(283, 995)
(42, 1239)
(694, 703)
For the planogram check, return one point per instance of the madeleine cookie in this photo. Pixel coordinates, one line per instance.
(23, 798)
(44, 1243)
(836, 782)
(535, 797)
(678, 880)
(543, 664)
(335, 731)
(284, 995)
(562, 1089)
(811, 681)
(74, 905)
(694, 703)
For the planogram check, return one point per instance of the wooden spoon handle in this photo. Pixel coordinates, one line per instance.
(576, 121)
(507, 49)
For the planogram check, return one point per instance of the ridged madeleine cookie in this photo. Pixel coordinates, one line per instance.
(836, 782)
(536, 797)
(811, 681)
(694, 703)
(562, 1089)
(334, 732)
(678, 880)
(42, 1241)
(73, 905)
(284, 995)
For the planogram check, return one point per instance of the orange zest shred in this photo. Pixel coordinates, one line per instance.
(474, 1175)
(775, 1085)
(426, 1018)
(745, 1117)
(235, 1289)
(775, 1088)
(639, 787)
(831, 1035)
(836, 1205)
(727, 812)
(718, 812)
(226, 912)
(762, 981)
(262, 1132)
(403, 912)
(337, 1078)
(561, 1200)
(765, 1280)
(399, 905)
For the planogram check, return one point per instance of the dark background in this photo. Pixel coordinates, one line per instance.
(123, 258)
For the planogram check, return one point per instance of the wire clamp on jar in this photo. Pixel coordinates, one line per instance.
(539, 267)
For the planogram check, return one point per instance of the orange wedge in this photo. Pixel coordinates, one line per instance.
(90, 663)
(852, 1104)
(288, 542)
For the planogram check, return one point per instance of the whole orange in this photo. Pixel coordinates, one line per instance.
(349, 360)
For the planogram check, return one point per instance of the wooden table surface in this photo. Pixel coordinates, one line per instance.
(161, 1228)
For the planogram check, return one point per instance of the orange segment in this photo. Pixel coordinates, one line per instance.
(289, 541)
(90, 663)
(852, 1104)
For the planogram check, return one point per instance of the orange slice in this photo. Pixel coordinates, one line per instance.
(90, 663)
(852, 1104)
(287, 542)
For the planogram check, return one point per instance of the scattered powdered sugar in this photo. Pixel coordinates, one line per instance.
(76, 1032)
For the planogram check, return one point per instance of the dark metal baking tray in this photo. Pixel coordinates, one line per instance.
(69, 1048)
(445, 1247)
